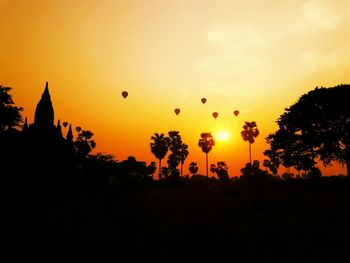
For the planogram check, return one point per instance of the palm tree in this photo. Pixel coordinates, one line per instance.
(174, 158)
(250, 131)
(193, 168)
(206, 142)
(183, 153)
(159, 147)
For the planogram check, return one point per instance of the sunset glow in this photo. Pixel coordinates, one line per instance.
(223, 136)
(257, 57)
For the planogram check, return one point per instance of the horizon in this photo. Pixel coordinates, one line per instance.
(259, 59)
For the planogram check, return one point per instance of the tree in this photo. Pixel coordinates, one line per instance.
(99, 168)
(159, 147)
(151, 169)
(176, 146)
(10, 115)
(266, 164)
(193, 168)
(206, 142)
(318, 126)
(84, 144)
(221, 171)
(274, 161)
(249, 133)
(213, 168)
(183, 153)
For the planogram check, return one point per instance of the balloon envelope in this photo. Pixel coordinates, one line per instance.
(236, 112)
(215, 114)
(177, 111)
(125, 94)
(65, 124)
(78, 129)
(203, 100)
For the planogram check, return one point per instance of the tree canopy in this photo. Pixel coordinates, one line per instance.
(316, 126)
(10, 115)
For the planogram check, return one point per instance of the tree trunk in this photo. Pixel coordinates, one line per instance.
(181, 169)
(160, 168)
(206, 157)
(250, 153)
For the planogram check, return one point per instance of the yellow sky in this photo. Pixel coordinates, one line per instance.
(255, 56)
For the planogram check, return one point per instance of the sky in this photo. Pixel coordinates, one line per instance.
(257, 57)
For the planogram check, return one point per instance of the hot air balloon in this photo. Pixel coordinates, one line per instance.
(125, 94)
(203, 100)
(78, 128)
(65, 124)
(215, 114)
(236, 112)
(177, 111)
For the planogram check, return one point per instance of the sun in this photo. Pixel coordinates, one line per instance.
(223, 136)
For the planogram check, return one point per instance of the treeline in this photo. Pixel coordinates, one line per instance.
(316, 127)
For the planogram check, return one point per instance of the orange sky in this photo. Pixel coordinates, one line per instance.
(255, 56)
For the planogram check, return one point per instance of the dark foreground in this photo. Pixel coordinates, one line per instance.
(240, 222)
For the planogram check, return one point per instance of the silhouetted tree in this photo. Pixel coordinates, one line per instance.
(249, 133)
(176, 154)
(318, 125)
(274, 161)
(206, 142)
(10, 115)
(314, 174)
(164, 173)
(193, 168)
(266, 164)
(183, 153)
(251, 170)
(151, 169)
(84, 144)
(221, 171)
(10, 118)
(159, 147)
(212, 168)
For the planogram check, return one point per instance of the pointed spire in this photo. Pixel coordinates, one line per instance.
(44, 114)
(46, 93)
(70, 134)
(59, 129)
(25, 125)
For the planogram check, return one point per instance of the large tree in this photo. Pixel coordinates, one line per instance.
(317, 125)
(159, 147)
(10, 115)
(206, 142)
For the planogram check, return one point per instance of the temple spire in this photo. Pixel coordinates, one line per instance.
(44, 114)
(46, 92)
(59, 129)
(70, 134)
(25, 125)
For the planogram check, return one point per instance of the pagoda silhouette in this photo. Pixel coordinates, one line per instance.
(46, 152)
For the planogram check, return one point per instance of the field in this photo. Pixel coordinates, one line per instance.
(237, 222)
